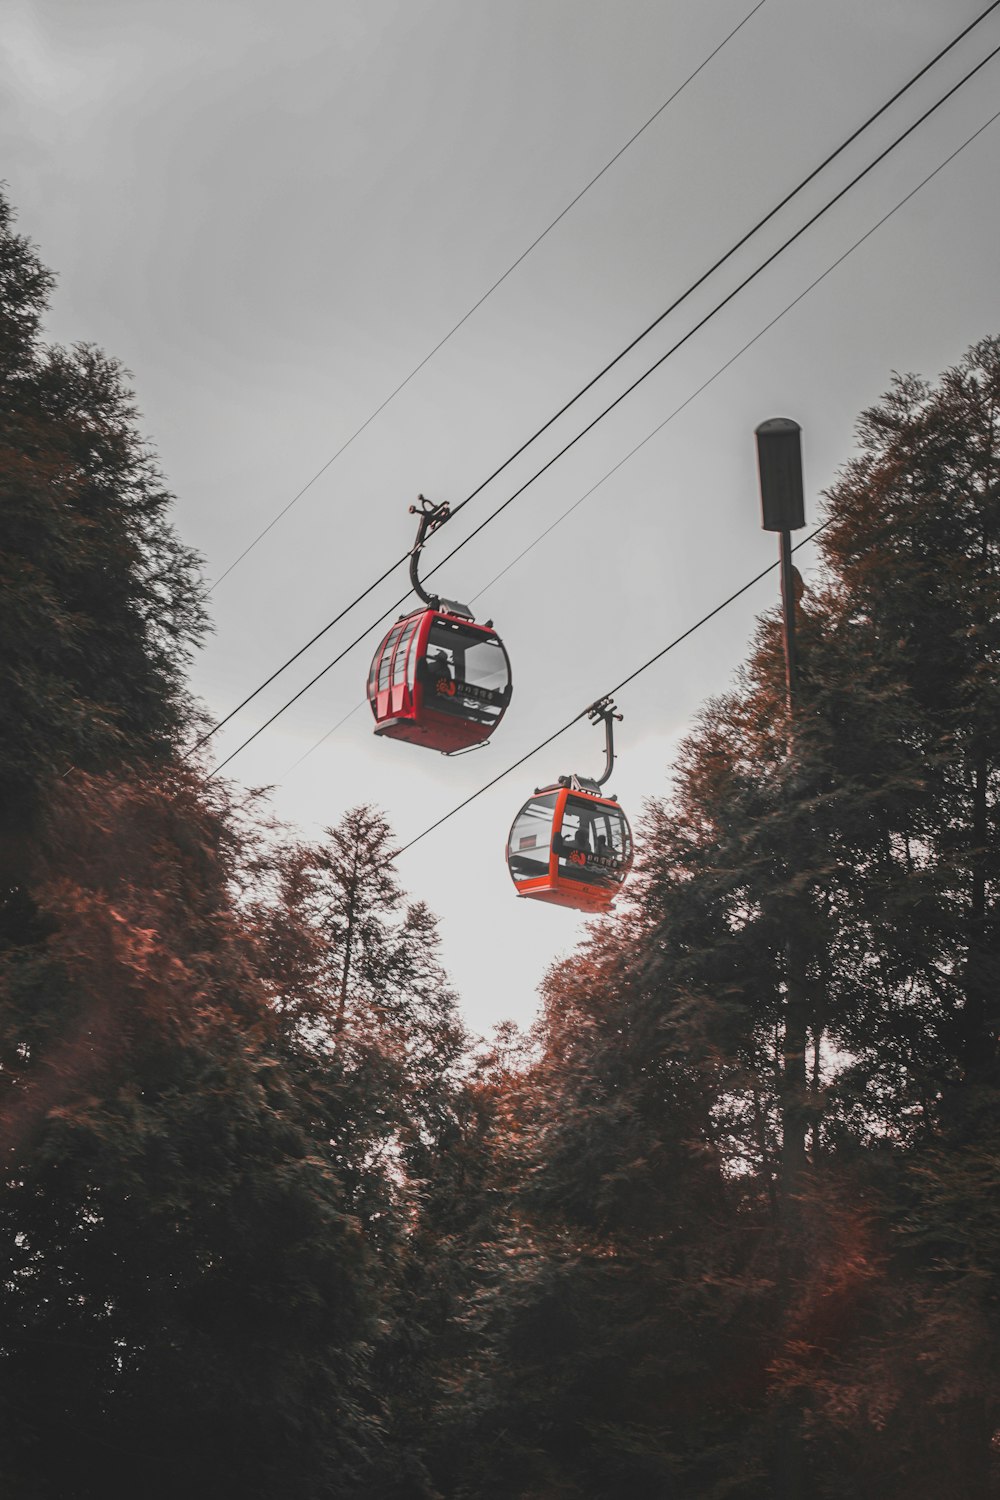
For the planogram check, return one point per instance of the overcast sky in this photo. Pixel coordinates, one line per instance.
(271, 213)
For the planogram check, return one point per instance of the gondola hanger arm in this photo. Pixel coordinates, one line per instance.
(431, 517)
(604, 709)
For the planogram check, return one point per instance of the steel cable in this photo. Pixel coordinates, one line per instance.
(593, 423)
(209, 734)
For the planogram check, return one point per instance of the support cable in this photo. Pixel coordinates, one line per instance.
(487, 294)
(687, 402)
(614, 691)
(789, 306)
(626, 681)
(585, 389)
(204, 738)
(588, 428)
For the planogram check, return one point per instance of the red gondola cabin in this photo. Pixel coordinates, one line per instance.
(570, 846)
(439, 679)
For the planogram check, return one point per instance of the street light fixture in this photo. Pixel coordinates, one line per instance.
(779, 464)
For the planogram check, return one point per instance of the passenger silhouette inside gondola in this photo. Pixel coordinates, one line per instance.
(440, 678)
(574, 842)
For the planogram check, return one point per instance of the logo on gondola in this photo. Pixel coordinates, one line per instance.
(445, 687)
(595, 861)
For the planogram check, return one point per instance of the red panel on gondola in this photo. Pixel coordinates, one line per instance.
(570, 847)
(439, 679)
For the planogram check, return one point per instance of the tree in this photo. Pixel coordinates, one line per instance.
(101, 602)
(191, 1298)
(357, 974)
(836, 1350)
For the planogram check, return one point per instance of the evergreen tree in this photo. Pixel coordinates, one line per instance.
(364, 1003)
(357, 973)
(100, 601)
(190, 1298)
(650, 1322)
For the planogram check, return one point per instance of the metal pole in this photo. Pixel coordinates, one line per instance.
(788, 602)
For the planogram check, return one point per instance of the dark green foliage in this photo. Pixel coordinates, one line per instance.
(675, 1302)
(358, 985)
(98, 600)
(199, 1233)
(190, 1297)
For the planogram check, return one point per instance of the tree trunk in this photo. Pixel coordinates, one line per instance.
(794, 1085)
(979, 1046)
(345, 976)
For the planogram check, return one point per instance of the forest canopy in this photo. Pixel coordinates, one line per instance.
(724, 1225)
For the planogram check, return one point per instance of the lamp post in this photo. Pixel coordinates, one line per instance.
(779, 463)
